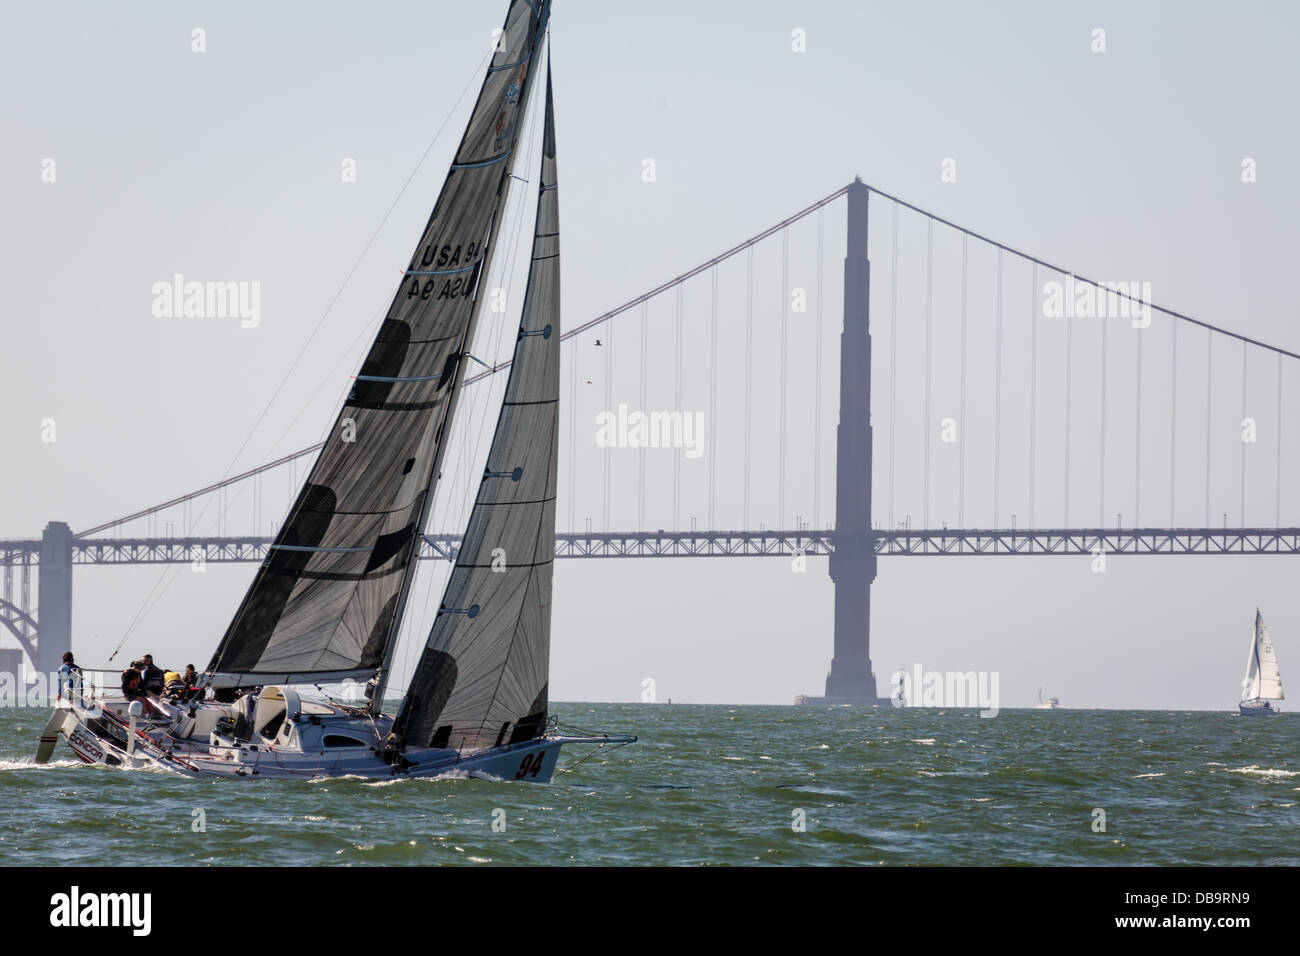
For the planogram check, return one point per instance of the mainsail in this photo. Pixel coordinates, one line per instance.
(327, 602)
(1263, 679)
(482, 678)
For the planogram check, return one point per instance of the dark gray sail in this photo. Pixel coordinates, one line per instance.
(482, 679)
(326, 603)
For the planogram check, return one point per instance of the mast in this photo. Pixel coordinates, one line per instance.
(482, 679)
(376, 701)
(326, 603)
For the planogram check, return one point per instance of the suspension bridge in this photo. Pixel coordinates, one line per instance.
(1014, 395)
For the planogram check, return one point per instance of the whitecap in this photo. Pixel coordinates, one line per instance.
(1257, 771)
(29, 763)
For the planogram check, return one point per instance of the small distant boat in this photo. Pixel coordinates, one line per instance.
(1051, 703)
(1263, 681)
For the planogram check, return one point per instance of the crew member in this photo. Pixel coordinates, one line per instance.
(152, 676)
(69, 677)
(133, 690)
(191, 681)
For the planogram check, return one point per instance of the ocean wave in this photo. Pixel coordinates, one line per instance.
(29, 763)
(1257, 771)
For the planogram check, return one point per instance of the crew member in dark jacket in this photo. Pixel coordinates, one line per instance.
(152, 676)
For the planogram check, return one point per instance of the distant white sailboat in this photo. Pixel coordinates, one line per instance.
(1051, 703)
(1263, 681)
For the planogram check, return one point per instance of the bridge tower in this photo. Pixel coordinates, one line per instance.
(853, 562)
(54, 597)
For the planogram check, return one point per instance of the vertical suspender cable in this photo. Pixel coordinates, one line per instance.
(1209, 408)
(785, 332)
(1101, 442)
(1173, 422)
(749, 367)
(713, 397)
(893, 360)
(1069, 370)
(1033, 389)
(677, 456)
(817, 387)
(609, 407)
(929, 323)
(645, 410)
(1137, 431)
(1244, 380)
(997, 397)
(573, 434)
(961, 413)
(1277, 516)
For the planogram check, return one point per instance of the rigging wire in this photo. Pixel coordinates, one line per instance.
(162, 583)
(470, 426)
(490, 338)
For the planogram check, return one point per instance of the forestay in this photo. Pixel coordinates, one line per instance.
(482, 678)
(327, 602)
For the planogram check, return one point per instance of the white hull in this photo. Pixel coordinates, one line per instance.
(102, 735)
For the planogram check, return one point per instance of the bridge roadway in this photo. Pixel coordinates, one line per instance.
(720, 544)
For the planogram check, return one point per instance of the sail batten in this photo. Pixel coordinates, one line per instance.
(330, 595)
(482, 679)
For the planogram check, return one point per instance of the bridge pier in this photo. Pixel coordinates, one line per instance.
(853, 562)
(54, 597)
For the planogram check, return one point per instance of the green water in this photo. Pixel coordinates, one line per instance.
(720, 785)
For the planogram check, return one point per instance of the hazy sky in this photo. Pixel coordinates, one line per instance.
(225, 165)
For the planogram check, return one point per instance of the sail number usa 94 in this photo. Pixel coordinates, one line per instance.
(531, 765)
(457, 262)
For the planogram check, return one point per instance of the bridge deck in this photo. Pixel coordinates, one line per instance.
(711, 544)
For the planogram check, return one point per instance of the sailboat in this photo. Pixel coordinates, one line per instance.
(327, 603)
(1263, 681)
(1051, 703)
